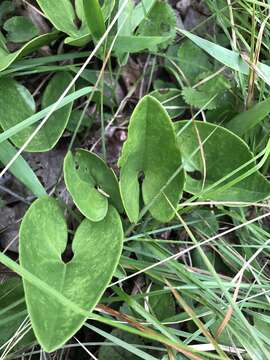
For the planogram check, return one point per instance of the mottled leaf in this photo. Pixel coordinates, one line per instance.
(91, 183)
(151, 151)
(83, 279)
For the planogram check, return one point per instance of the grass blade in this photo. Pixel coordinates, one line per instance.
(247, 120)
(21, 169)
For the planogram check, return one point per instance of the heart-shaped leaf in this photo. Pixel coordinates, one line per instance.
(223, 153)
(151, 150)
(17, 104)
(91, 183)
(96, 247)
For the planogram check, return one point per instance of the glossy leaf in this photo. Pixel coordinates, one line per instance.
(6, 58)
(20, 169)
(171, 99)
(17, 104)
(224, 153)
(94, 18)
(151, 150)
(96, 247)
(91, 183)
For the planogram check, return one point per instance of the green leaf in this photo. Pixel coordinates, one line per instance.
(134, 44)
(124, 22)
(16, 105)
(96, 247)
(61, 14)
(163, 305)
(171, 99)
(3, 46)
(6, 7)
(192, 60)
(12, 314)
(94, 18)
(230, 58)
(6, 58)
(91, 183)
(20, 169)
(39, 115)
(160, 21)
(208, 95)
(247, 120)
(151, 149)
(140, 12)
(123, 347)
(84, 35)
(224, 153)
(74, 119)
(20, 29)
(107, 8)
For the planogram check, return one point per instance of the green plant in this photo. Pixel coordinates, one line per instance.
(142, 198)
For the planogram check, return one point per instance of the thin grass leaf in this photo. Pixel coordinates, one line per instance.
(21, 170)
(6, 59)
(247, 120)
(41, 114)
(230, 58)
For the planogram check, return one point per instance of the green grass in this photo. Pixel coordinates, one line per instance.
(198, 286)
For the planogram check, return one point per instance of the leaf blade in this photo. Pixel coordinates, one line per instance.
(218, 145)
(82, 280)
(94, 18)
(150, 128)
